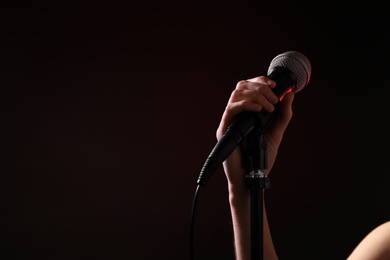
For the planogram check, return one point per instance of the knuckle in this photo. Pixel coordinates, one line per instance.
(236, 94)
(241, 84)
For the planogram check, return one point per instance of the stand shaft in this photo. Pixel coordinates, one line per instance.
(257, 181)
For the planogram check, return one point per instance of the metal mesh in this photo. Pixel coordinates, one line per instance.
(297, 63)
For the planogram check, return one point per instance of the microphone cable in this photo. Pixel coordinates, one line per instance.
(192, 221)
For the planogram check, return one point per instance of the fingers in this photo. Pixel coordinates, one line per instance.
(264, 80)
(253, 95)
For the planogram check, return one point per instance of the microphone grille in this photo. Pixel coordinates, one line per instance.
(297, 63)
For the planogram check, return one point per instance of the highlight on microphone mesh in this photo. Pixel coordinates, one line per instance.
(297, 63)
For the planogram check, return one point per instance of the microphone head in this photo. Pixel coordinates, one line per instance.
(297, 63)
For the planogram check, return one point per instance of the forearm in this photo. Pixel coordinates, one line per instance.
(269, 248)
(240, 212)
(240, 209)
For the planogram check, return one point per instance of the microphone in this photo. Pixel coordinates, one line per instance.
(291, 71)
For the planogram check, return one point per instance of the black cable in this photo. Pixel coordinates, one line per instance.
(192, 221)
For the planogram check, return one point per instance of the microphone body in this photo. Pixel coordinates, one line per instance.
(291, 71)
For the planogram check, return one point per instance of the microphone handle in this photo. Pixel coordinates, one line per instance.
(244, 123)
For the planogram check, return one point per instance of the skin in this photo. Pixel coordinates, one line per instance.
(256, 95)
(375, 246)
(252, 95)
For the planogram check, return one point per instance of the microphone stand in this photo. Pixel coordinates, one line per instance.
(257, 181)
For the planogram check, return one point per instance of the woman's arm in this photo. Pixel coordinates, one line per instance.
(252, 95)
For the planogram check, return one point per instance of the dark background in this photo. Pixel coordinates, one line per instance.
(109, 110)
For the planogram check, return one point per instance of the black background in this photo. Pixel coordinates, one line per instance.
(109, 110)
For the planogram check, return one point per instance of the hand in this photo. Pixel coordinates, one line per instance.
(255, 95)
